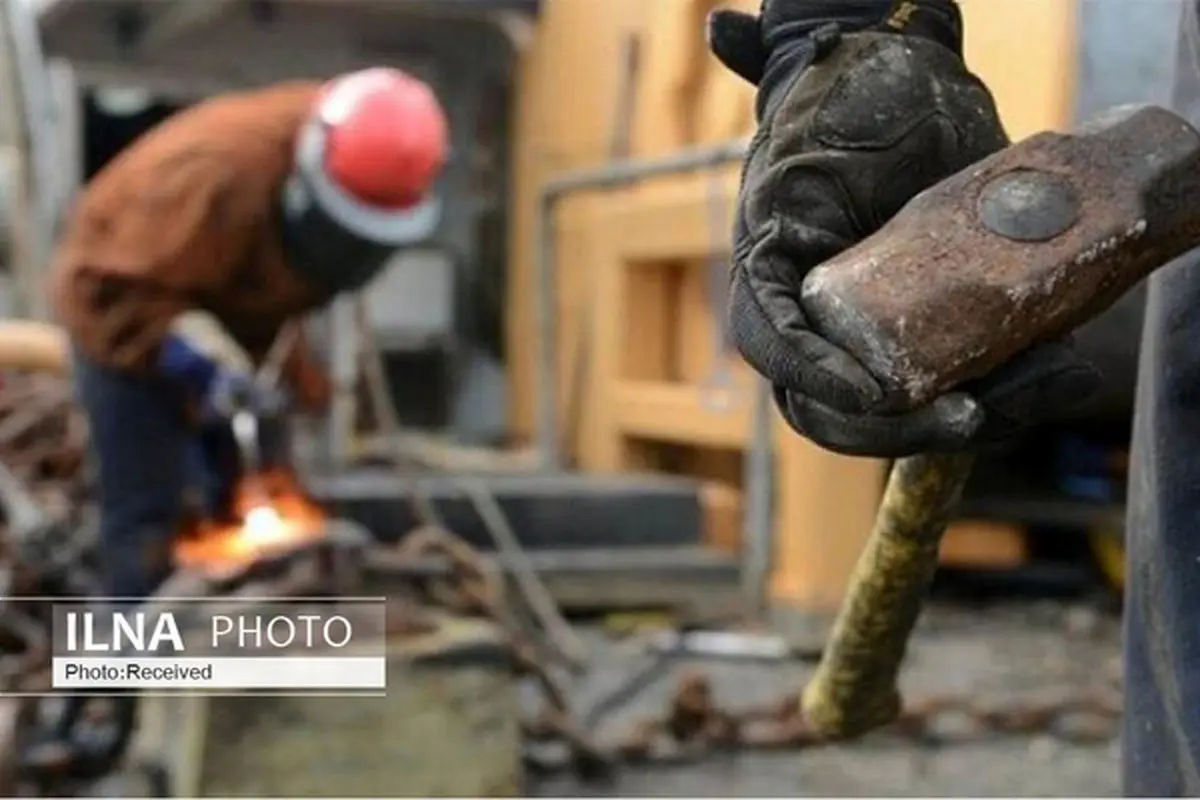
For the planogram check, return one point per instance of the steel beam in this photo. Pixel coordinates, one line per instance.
(697, 584)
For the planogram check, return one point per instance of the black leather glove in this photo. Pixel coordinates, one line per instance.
(861, 105)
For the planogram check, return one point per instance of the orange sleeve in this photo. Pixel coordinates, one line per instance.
(159, 254)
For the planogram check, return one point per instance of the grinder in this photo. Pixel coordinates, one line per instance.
(261, 431)
(1018, 249)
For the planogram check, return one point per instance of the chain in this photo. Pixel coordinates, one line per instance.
(694, 725)
(476, 587)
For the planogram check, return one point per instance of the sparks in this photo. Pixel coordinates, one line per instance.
(264, 525)
(287, 519)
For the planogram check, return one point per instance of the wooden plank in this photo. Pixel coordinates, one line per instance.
(566, 94)
(704, 284)
(723, 511)
(725, 107)
(979, 544)
(697, 358)
(1032, 76)
(646, 338)
(602, 446)
(576, 233)
(677, 413)
(672, 77)
(672, 218)
(824, 509)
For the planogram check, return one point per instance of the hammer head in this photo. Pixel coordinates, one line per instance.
(1020, 248)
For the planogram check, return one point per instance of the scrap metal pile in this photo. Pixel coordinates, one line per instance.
(43, 439)
(50, 552)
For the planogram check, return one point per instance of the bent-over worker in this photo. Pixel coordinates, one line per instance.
(836, 154)
(185, 256)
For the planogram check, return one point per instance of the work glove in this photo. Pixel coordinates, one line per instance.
(861, 105)
(231, 391)
(219, 390)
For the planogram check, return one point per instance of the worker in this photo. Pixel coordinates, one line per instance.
(188, 252)
(185, 256)
(838, 152)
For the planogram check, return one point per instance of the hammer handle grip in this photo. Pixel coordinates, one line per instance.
(854, 688)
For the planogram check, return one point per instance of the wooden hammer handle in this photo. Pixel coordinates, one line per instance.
(854, 689)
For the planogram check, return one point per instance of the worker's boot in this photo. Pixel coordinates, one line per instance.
(87, 740)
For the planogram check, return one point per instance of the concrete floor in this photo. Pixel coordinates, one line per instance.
(993, 651)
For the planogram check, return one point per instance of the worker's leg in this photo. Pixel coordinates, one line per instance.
(1162, 606)
(139, 437)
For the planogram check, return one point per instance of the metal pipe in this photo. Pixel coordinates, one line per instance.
(607, 176)
(345, 363)
(758, 520)
(27, 97)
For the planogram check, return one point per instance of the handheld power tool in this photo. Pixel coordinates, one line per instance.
(1020, 248)
(247, 420)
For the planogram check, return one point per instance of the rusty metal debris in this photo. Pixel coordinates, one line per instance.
(42, 441)
(43, 436)
(695, 725)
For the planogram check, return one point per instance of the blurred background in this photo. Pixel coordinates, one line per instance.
(562, 333)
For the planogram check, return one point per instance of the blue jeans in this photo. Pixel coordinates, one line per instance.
(147, 453)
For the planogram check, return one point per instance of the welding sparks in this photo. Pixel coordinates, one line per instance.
(288, 519)
(264, 525)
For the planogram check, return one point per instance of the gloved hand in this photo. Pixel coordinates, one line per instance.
(219, 390)
(228, 392)
(861, 105)
(232, 390)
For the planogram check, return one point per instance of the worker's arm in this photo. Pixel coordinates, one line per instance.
(202, 357)
(135, 309)
(854, 120)
(304, 375)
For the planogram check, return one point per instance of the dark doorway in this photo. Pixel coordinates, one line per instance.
(107, 130)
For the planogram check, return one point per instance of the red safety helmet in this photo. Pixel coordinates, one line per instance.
(386, 136)
(366, 163)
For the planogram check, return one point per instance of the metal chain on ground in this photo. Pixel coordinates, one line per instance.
(534, 593)
(695, 725)
(476, 587)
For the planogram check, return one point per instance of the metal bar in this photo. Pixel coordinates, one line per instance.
(28, 96)
(608, 176)
(758, 528)
(617, 173)
(694, 582)
(183, 16)
(345, 362)
(494, 519)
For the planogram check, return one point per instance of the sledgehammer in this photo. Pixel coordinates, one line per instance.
(1018, 249)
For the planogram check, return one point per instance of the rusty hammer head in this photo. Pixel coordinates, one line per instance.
(1020, 248)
